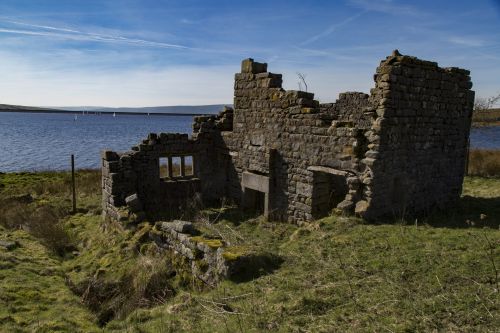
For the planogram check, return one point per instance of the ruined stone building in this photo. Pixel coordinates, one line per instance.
(400, 150)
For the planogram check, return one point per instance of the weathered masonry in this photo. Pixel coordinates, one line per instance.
(399, 150)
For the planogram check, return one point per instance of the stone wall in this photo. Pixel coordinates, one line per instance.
(207, 259)
(416, 160)
(133, 188)
(281, 134)
(400, 149)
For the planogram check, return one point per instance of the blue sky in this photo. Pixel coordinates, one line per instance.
(147, 53)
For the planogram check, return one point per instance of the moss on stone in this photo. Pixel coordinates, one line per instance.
(233, 253)
(212, 243)
(154, 231)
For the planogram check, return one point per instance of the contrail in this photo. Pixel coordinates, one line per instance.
(332, 28)
(81, 35)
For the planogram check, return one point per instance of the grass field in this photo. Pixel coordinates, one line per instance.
(338, 274)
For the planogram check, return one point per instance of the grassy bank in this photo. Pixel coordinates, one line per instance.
(336, 274)
(484, 162)
(487, 117)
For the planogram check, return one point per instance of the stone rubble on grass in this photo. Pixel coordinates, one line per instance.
(8, 245)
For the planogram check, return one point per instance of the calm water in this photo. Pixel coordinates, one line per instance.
(46, 141)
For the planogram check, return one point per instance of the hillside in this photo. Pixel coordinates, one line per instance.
(20, 108)
(176, 110)
(337, 274)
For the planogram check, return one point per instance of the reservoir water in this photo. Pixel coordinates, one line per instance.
(45, 141)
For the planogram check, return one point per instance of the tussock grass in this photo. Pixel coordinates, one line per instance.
(37, 201)
(344, 275)
(116, 271)
(336, 274)
(484, 162)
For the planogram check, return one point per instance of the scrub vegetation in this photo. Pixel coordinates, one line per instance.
(484, 162)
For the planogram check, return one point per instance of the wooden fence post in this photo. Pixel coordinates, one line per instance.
(73, 182)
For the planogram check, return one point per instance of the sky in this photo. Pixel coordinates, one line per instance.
(160, 52)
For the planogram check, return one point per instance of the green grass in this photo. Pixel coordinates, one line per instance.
(33, 293)
(337, 274)
(342, 275)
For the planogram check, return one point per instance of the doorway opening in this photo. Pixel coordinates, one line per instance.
(328, 191)
(255, 201)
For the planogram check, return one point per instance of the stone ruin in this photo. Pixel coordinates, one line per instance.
(399, 151)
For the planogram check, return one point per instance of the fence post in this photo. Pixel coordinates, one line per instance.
(73, 182)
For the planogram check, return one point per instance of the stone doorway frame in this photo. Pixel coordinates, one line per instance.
(254, 182)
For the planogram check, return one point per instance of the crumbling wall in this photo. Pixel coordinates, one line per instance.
(280, 134)
(399, 150)
(350, 108)
(208, 259)
(416, 160)
(133, 188)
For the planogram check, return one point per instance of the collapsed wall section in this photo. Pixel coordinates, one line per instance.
(279, 135)
(135, 188)
(418, 142)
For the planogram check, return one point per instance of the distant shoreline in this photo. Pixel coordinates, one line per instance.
(96, 113)
(167, 110)
(486, 118)
(476, 122)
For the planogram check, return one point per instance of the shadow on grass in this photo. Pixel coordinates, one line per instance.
(254, 266)
(234, 215)
(468, 212)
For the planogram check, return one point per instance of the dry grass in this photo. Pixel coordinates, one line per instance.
(484, 162)
(41, 221)
(37, 202)
(487, 117)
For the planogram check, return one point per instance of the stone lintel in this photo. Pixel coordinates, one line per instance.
(328, 170)
(255, 182)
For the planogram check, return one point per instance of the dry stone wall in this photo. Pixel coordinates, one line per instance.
(399, 150)
(208, 259)
(416, 160)
(133, 188)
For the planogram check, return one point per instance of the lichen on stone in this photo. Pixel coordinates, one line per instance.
(212, 243)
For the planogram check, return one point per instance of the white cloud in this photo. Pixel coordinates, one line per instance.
(388, 7)
(28, 81)
(467, 41)
(33, 83)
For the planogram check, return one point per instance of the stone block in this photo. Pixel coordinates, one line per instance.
(134, 203)
(250, 66)
(179, 226)
(109, 155)
(9, 245)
